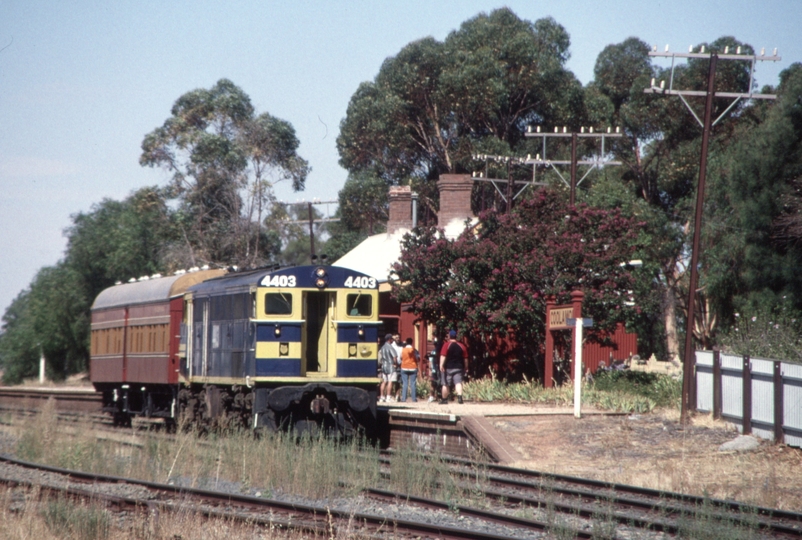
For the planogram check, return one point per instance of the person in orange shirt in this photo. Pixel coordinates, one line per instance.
(409, 371)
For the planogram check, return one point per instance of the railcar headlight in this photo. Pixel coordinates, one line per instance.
(321, 277)
(361, 331)
(277, 331)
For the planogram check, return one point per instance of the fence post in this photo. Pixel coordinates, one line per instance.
(716, 384)
(747, 397)
(779, 416)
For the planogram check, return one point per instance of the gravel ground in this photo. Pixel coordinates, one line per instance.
(360, 504)
(49, 479)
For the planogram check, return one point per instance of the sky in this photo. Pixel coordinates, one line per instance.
(82, 82)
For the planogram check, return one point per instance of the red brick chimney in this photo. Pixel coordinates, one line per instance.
(455, 198)
(400, 198)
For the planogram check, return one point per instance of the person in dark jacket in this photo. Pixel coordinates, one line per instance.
(453, 365)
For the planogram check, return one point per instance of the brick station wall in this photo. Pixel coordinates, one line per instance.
(427, 436)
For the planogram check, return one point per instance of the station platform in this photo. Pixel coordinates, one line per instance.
(462, 430)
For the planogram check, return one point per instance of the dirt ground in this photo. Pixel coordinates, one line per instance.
(656, 451)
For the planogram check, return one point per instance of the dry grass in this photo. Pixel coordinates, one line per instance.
(312, 466)
(655, 451)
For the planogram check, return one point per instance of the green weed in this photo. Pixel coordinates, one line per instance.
(68, 520)
(627, 391)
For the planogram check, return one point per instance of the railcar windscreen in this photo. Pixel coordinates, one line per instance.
(278, 304)
(359, 305)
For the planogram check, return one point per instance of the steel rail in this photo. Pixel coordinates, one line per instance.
(486, 515)
(636, 490)
(263, 505)
(627, 497)
(584, 512)
(138, 505)
(67, 399)
(782, 522)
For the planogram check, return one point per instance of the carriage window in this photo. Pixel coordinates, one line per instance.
(359, 305)
(278, 304)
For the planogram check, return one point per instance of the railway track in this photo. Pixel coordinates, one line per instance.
(526, 500)
(627, 506)
(74, 405)
(74, 400)
(125, 494)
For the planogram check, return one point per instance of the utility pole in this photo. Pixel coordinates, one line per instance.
(688, 382)
(598, 162)
(311, 232)
(509, 183)
(311, 221)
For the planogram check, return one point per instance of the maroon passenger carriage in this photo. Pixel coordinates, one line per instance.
(134, 351)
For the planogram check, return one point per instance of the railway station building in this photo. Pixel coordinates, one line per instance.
(376, 255)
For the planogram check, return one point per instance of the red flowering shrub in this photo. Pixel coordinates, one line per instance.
(493, 280)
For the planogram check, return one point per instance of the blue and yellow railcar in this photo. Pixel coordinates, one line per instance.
(294, 347)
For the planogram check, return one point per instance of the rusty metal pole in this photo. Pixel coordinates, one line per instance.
(573, 168)
(687, 361)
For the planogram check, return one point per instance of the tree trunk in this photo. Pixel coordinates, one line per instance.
(670, 321)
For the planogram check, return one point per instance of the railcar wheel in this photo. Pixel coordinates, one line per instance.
(122, 419)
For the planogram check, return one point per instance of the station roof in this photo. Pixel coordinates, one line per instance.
(376, 254)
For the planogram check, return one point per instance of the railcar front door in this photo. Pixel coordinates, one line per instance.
(320, 331)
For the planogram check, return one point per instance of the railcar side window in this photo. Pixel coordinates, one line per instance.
(215, 336)
(278, 304)
(359, 305)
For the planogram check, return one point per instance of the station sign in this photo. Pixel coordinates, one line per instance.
(558, 317)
